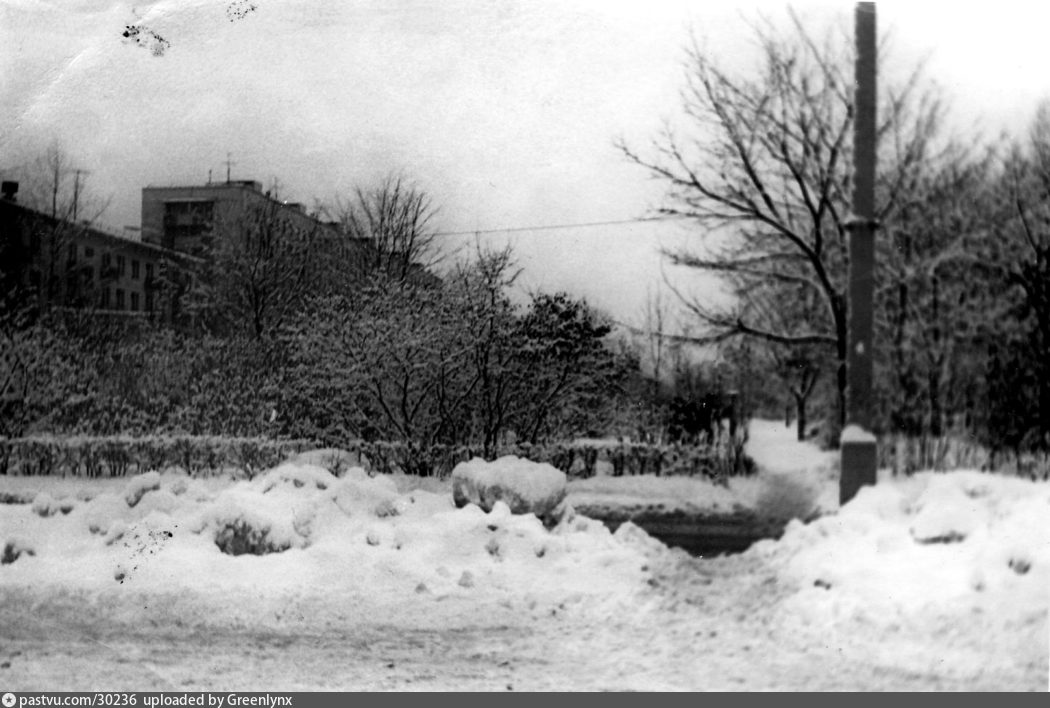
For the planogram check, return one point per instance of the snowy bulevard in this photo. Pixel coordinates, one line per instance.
(937, 581)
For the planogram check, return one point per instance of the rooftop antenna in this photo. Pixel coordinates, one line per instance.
(209, 176)
(229, 164)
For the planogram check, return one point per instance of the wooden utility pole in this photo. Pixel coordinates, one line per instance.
(859, 453)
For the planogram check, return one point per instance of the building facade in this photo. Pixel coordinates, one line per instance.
(53, 261)
(184, 218)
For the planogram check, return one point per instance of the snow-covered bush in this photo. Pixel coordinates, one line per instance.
(44, 505)
(15, 549)
(524, 486)
(297, 476)
(139, 486)
(237, 537)
(120, 455)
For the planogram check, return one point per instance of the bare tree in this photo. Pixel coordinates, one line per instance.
(766, 175)
(929, 311)
(394, 219)
(656, 321)
(61, 210)
(490, 320)
(259, 267)
(1019, 253)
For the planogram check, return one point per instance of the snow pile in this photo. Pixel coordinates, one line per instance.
(298, 530)
(935, 575)
(964, 556)
(523, 485)
(139, 486)
(44, 505)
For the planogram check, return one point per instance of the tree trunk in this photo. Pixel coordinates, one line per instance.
(935, 365)
(800, 409)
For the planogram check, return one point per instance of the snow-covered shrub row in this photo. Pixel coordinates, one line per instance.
(578, 459)
(119, 456)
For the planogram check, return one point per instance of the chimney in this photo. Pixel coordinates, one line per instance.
(9, 190)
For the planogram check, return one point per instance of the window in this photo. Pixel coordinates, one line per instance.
(149, 271)
(72, 253)
(106, 261)
(149, 301)
(186, 220)
(134, 302)
(89, 252)
(120, 299)
(135, 269)
(120, 266)
(105, 298)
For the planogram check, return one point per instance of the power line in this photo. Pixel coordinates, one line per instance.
(553, 227)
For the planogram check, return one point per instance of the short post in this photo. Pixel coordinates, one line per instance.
(859, 453)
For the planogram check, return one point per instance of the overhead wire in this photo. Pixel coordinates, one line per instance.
(553, 227)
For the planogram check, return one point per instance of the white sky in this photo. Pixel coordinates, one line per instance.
(504, 111)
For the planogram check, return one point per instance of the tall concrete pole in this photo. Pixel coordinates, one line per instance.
(859, 454)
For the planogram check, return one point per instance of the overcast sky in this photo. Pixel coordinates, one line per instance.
(504, 111)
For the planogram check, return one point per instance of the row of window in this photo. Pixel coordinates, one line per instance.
(109, 299)
(107, 261)
(124, 301)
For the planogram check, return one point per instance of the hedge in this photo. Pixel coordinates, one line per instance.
(117, 456)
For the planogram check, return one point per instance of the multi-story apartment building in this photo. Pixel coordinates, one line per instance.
(81, 265)
(76, 264)
(183, 218)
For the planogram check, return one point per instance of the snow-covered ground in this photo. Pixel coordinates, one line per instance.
(937, 581)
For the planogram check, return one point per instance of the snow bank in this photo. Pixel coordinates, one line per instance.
(961, 543)
(913, 569)
(299, 529)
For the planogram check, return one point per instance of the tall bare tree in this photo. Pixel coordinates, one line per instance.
(764, 169)
(395, 219)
